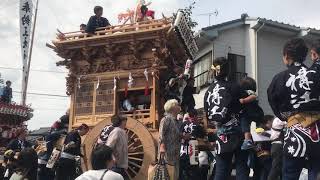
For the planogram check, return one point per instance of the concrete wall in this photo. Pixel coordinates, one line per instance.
(204, 50)
(269, 63)
(233, 38)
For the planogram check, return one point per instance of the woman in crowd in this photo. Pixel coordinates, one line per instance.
(27, 164)
(294, 97)
(169, 135)
(102, 161)
(67, 163)
(222, 107)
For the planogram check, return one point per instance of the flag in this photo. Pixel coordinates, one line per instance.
(25, 9)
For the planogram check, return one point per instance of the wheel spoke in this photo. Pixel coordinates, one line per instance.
(139, 146)
(133, 171)
(132, 135)
(131, 144)
(135, 164)
(136, 153)
(134, 158)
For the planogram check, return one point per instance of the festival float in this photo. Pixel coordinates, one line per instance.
(12, 118)
(132, 58)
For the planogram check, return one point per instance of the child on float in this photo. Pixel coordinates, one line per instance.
(251, 111)
(294, 97)
(222, 107)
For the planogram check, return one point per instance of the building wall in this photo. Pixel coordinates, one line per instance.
(204, 50)
(235, 41)
(270, 63)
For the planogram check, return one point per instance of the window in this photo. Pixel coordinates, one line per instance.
(237, 67)
(201, 70)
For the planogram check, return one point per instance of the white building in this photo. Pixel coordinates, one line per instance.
(254, 46)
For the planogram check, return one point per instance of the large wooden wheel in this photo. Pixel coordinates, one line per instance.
(141, 146)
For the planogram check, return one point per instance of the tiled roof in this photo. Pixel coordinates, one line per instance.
(261, 20)
(222, 24)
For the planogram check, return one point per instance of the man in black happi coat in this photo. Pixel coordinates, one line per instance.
(222, 106)
(294, 97)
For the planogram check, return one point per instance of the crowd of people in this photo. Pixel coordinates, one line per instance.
(279, 147)
(294, 97)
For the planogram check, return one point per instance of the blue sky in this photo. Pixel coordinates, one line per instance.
(68, 14)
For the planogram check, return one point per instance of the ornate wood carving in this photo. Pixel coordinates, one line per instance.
(155, 54)
(71, 82)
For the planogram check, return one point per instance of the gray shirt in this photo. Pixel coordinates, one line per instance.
(118, 141)
(169, 135)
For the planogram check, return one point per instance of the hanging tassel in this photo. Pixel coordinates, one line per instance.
(126, 91)
(146, 89)
(114, 83)
(98, 84)
(79, 78)
(130, 81)
(146, 74)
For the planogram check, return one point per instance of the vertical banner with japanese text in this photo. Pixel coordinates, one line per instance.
(25, 10)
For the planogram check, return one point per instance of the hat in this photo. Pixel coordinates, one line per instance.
(9, 154)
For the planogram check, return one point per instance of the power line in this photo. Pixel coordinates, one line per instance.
(37, 70)
(44, 94)
(48, 109)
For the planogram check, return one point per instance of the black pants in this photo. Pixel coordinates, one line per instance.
(121, 171)
(45, 173)
(188, 171)
(224, 165)
(66, 169)
(262, 168)
(276, 169)
(203, 172)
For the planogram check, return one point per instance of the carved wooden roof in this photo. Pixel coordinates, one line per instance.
(148, 44)
(115, 40)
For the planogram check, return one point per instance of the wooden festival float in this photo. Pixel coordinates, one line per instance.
(118, 61)
(12, 118)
